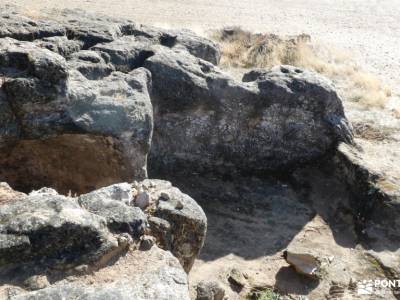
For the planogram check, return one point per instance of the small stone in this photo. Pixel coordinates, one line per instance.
(146, 243)
(36, 282)
(124, 240)
(236, 278)
(179, 204)
(304, 263)
(82, 269)
(210, 290)
(165, 196)
(143, 200)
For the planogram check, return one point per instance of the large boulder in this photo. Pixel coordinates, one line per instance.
(48, 230)
(207, 121)
(99, 99)
(50, 103)
(88, 246)
(44, 231)
(73, 88)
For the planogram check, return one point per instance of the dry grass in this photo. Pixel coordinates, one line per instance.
(370, 132)
(243, 49)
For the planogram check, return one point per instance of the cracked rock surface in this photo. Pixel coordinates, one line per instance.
(66, 239)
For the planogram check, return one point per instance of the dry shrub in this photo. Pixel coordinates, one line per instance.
(243, 49)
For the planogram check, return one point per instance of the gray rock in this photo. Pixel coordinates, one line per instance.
(26, 29)
(44, 191)
(60, 45)
(209, 290)
(90, 64)
(125, 53)
(37, 282)
(118, 106)
(198, 46)
(28, 60)
(237, 279)
(9, 128)
(51, 229)
(180, 39)
(111, 203)
(165, 196)
(44, 98)
(146, 242)
(284, 118)
(161, 230)
(185, 230)
(161, 278)
(88, 28)
(142, 200)
(119, 192)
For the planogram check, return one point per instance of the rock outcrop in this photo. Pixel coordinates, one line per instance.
(87, 84)
(49, 104)
(281, 119)
(88, 102)
(56, 93)
(48, 235)
(51, 229)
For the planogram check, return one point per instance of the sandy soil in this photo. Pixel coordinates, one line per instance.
(368, 29)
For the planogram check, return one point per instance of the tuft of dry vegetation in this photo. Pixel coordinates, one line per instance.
(370, 132)
(265, 294)
(244, 49)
